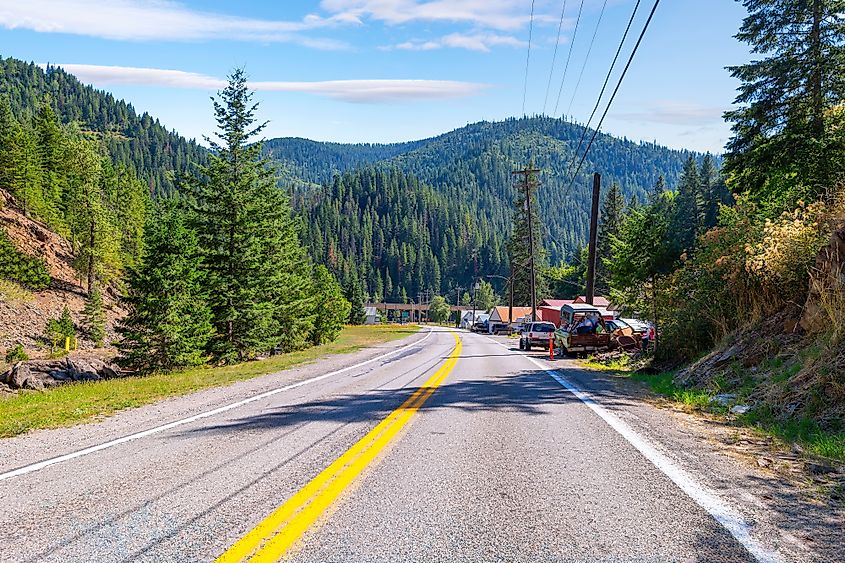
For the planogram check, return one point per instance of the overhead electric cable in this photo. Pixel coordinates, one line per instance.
(554, 56)
(615, 91)
(569, 57)
(587, 58)
(603, 88)
(528, 57)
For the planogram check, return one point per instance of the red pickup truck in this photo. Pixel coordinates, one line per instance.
(582, 329)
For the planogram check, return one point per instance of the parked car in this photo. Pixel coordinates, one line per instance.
(582, 329)
(536, 334)
(480, 326)
(500, 328)
(640, 327)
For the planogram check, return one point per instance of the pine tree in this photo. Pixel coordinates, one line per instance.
(331, 308)
(169, 321)
(779, 152)
(257, 272)
(687, 215)
(94, 317)
(355, 296)
(612, 215)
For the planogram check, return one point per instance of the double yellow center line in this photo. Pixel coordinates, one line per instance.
(271, 538)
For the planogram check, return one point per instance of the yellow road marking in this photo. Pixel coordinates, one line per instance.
(272, 537)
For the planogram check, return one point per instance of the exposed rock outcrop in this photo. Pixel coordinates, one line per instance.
(41, 374)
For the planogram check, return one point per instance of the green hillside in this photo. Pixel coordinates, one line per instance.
(135, 142)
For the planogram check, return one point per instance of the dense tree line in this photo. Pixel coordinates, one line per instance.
(58, 175)
(138, 144)
(473, 165)
(395, 237)
(225, 276)
(716, 255)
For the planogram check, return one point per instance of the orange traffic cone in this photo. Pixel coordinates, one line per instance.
(551, 348)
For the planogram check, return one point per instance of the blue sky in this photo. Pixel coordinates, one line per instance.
(393, 70)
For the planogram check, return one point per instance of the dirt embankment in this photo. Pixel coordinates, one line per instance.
(792, 362)
(24, 314)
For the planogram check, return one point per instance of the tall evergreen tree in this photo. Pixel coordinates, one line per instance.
(94, 317)
(169, 321)
(778, 152)
(687, 210)
(257, 272)
(610, 223)
(355, 296)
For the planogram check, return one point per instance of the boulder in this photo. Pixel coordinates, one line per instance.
(38, 374)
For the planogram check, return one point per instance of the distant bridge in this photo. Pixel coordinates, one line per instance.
(416, 312)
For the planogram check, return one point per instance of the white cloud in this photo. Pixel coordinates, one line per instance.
(495, 14)
(157, 20)
(473, 42)
(359, 91)
(675, 113)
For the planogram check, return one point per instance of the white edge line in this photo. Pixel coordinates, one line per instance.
(710, 501)
(143, 434)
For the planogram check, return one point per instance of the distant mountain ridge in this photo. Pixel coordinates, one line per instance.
(446, 200)
(473, 164)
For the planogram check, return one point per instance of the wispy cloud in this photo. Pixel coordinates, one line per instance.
(494, 14)
(675, 113)
(473, 41)
(157, 20)
(358, 91)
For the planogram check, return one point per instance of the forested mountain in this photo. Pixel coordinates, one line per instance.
(313, 162)
(473, 165)
(398, 236)
(137, 143)
(403, 217)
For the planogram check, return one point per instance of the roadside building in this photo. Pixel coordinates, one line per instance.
(549, 310)
(372, 316)
(600, 303)
(499, 315)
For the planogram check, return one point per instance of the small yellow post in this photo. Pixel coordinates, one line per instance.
(67, 343)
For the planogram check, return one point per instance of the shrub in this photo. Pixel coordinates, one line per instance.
(16, 354)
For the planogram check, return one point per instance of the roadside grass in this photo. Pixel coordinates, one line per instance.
(802, 431)
(84, 402)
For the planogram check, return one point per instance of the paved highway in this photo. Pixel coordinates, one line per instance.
(444, 446)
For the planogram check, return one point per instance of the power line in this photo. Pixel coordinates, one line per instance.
(587, 58)
(554, 56)
(604, 87)
(569, 57)
(528, 57)
(615, 91)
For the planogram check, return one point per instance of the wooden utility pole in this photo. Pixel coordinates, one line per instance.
(527, 184)
(594, 226)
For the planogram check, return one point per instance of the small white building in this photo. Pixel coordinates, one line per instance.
(372, 317)
(467, 319)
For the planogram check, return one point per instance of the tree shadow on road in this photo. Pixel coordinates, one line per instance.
(531, 393)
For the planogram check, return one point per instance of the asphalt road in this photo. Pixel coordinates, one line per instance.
(442, 451)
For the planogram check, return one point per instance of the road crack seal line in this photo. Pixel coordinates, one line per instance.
(273, 536)
(176, 423)
(704, 497)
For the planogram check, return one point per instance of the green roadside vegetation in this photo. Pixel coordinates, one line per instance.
(85, 402)
(803, 431)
